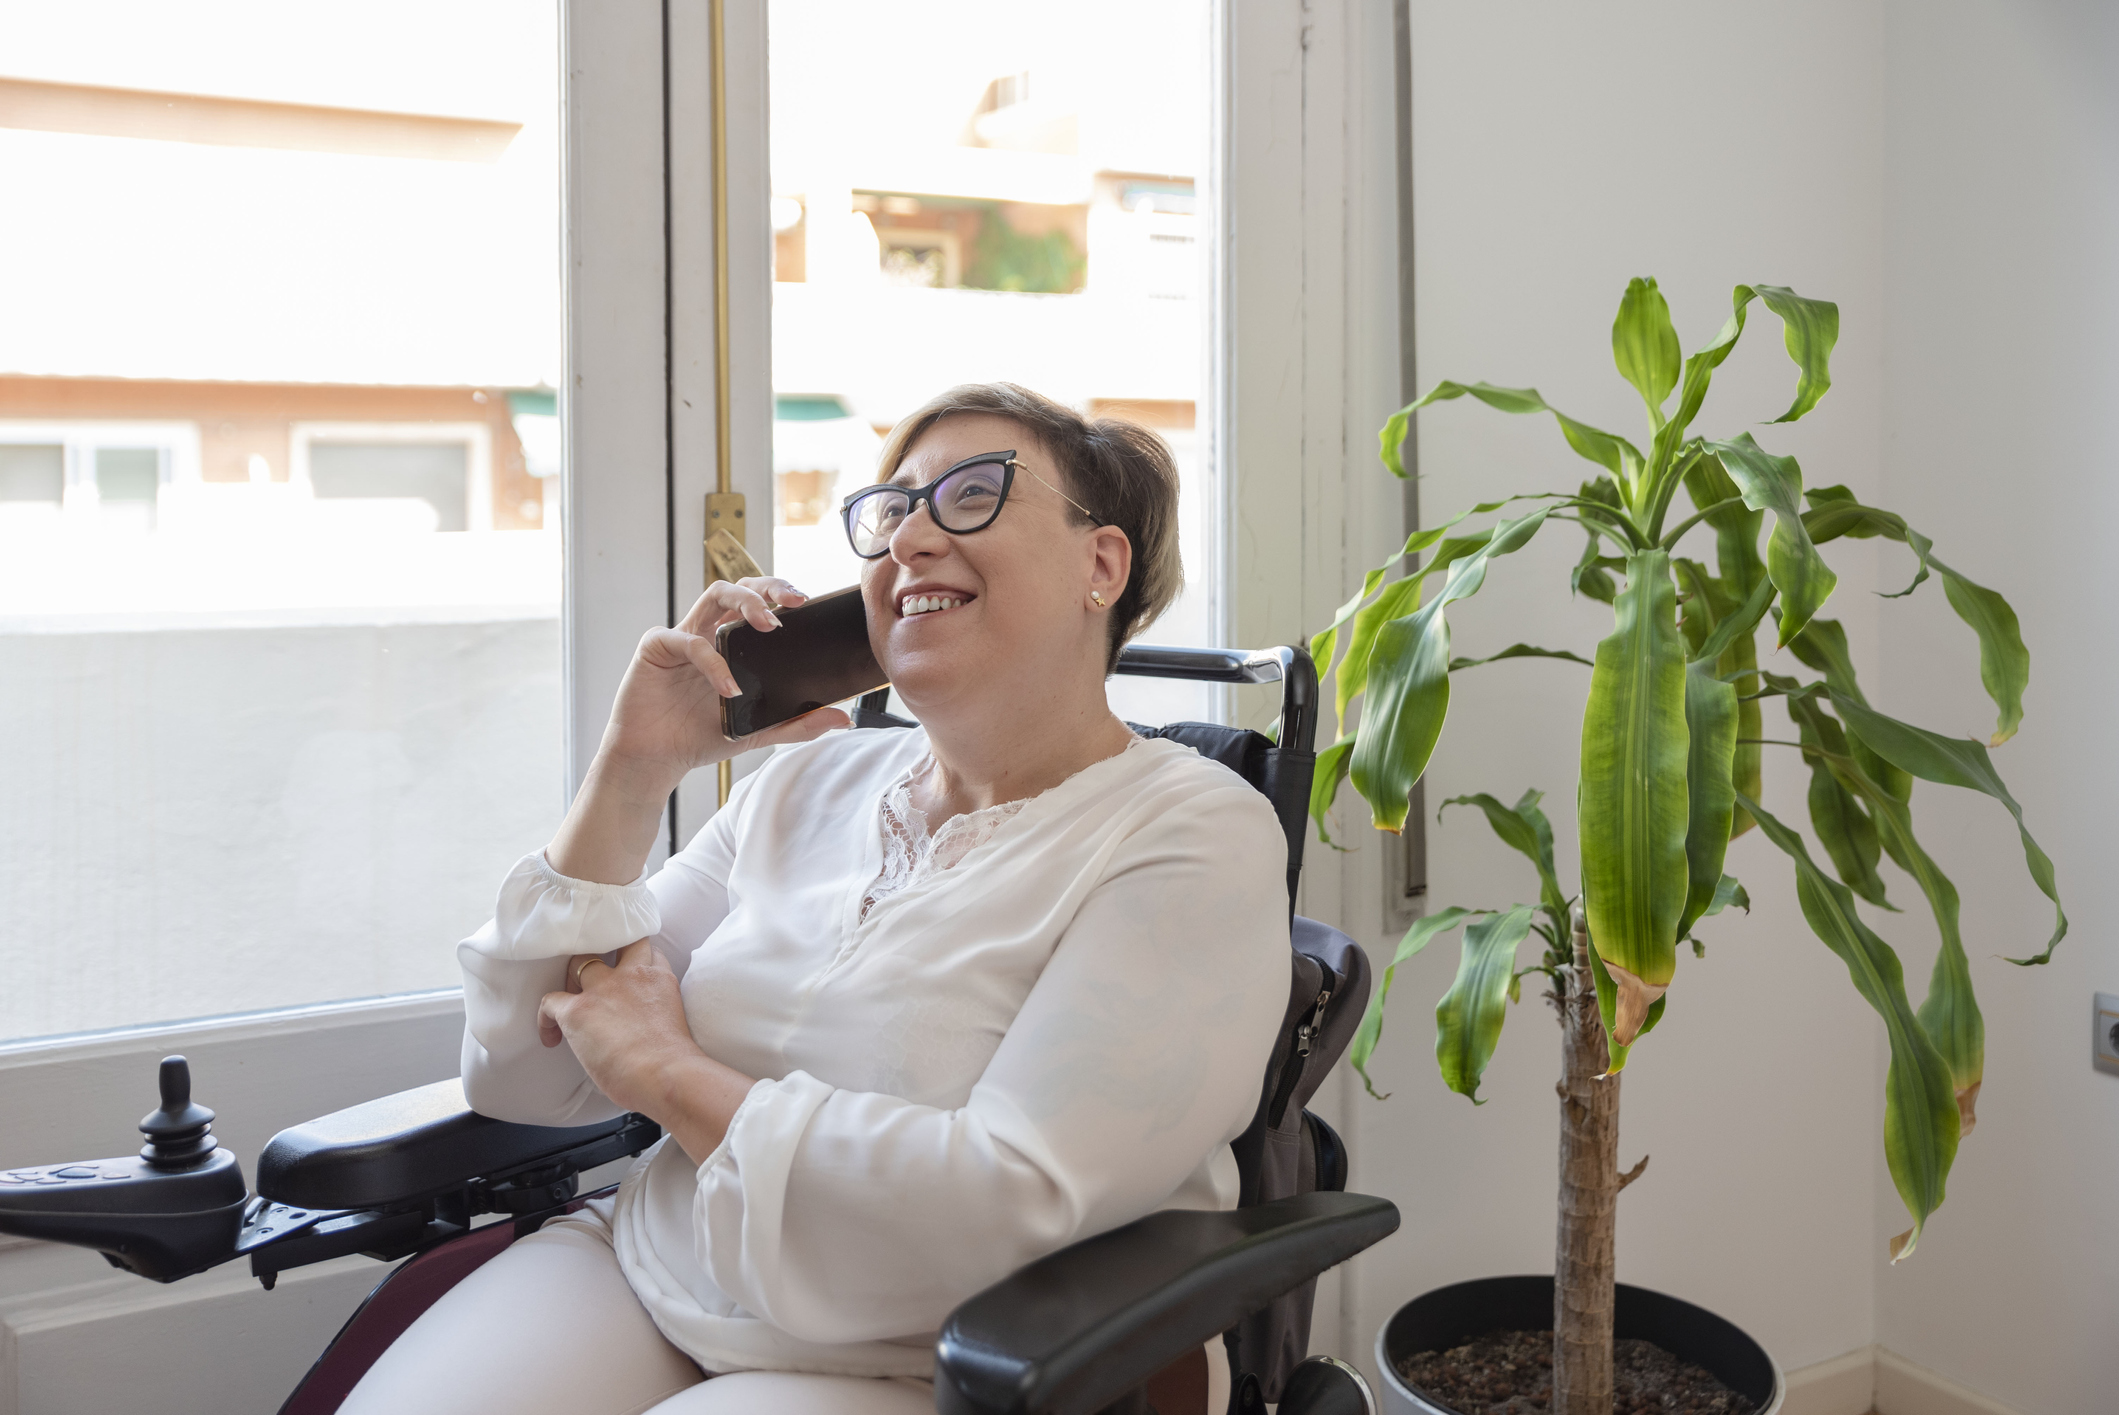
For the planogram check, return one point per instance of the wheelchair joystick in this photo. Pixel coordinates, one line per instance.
(174, 1209)
(180, 1134)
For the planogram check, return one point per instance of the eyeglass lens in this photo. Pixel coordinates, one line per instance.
(966, 499)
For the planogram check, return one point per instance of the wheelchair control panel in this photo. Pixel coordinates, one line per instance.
(180, 1206)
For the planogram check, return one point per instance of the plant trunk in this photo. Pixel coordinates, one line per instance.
(1589, 1193)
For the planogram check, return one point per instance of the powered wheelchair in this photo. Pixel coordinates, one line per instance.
(1096, 1327)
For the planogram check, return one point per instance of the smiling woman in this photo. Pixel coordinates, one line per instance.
(917, 1007)
(1121, 476)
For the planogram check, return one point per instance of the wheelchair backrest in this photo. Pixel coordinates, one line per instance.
(1285, 1150)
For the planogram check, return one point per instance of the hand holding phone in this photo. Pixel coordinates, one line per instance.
(818, 655)
(667, 719)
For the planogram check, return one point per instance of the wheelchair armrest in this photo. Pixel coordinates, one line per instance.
(1074, 1331)
(421, 1143)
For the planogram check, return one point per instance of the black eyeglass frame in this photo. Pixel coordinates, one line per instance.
(914, 495)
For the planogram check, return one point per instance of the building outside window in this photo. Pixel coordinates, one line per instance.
(279, 561)
(1027, 210)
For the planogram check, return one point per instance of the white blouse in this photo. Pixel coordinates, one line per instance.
(1054, 1036)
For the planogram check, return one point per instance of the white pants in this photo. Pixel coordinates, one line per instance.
(551, 1327)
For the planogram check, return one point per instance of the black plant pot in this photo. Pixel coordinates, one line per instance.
(1449, 1316)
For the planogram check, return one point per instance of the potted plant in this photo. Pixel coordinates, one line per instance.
(1672, 736)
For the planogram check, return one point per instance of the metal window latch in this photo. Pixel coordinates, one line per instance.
(726, 557)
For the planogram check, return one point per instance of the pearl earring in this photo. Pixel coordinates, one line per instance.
(1099, 599)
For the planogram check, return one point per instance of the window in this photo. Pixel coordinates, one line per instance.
(1028, 209)
(279, 552)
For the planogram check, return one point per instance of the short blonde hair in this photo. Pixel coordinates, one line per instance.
(1122, 472)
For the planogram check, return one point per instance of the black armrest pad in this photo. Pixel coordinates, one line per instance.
(1072, 1332)
(406, 1147)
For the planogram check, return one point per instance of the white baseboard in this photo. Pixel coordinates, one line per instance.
(1874, 1379)
(1903, 1388)
(1845, 1385)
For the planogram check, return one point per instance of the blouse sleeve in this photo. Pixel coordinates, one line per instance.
(541, 919)
(844, 1216)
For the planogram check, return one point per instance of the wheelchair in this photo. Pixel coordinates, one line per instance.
(1097, 1328)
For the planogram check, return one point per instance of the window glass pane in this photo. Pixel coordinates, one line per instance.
(1028, 208)
(430, 480)
(128, 473)
(279, 558)
(32, 473)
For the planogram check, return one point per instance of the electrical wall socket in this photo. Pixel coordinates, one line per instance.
(2106, 1036)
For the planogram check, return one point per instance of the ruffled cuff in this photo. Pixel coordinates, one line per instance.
(542, 914)
(741, 1199)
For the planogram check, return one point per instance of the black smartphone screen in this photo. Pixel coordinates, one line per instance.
(818, 656)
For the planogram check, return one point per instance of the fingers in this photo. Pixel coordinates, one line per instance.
(638, 953)
(548, 1008)
(752, 599)
(806, 728)
(676, 648)
(575, 965)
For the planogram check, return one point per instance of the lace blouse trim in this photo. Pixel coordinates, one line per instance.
(911, 852)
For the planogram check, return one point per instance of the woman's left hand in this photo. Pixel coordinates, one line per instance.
(626, 1025)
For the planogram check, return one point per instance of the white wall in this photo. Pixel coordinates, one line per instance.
(1560, 150)
(2001, 238)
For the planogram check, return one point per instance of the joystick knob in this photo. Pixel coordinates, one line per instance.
(180, 1134)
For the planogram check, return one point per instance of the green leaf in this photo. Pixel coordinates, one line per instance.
(1811, 328)
(1519, 651)
(1954, 761)
(1736, 528)
(1710, 728)
(1615, 454)
(1634, 798)
(1735, 629)
(1370, 1032)
(1834, 513)
(1522, 827)
(1331, 769)
(1392, 439)
(1645, 346)
(1823, 646)
(1729, 891)
(1408, 683)
(1699, 372)
(1399, 598)
(1920, 1105)
(2004, 663)
(1706, 609)
(1324, 643)
(1607, 1008)
(1770, 483)
(1845, 829)
(1951, 1011)
(1469, 1017)
(1696, 604)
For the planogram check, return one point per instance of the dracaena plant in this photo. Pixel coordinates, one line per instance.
(1672, 736)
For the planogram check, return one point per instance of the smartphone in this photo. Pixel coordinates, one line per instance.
(818, 656)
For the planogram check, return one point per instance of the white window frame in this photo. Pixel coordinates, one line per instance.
(1303, 371)
(477, 439)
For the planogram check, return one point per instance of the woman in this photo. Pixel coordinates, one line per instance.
(915, 1008)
